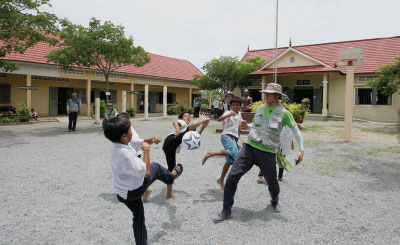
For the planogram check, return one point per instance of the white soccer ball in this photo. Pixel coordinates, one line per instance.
(191, 140)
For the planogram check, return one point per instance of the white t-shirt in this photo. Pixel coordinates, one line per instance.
(182, 127)
(128, 170)
(136, 142)
(216, 104)
(231, 124)
(286, 140)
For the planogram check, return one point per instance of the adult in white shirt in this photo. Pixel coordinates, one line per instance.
(132, 175)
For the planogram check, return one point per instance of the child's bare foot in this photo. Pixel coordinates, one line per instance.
(147, 194)
(205, 157)
(221, 183)
(282, 180)
(260, 180)
(169, 196)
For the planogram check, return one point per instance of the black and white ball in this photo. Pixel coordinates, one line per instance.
(191, 140)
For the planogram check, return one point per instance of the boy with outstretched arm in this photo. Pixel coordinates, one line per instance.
(232, 120)
(260, 148)
(132, 175)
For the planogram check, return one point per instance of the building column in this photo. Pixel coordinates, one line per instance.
(123, 107)
(88, 99)
(146, 102)
(209, 99)
(131, 96)
(28, 91)
(165, 88)
(325, 96)
(237, 92)
(349, 101)
(190, 97)
(263, 85)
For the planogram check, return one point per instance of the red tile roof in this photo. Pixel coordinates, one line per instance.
(376, 52)
(159, 66)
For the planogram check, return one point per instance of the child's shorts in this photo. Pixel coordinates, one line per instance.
(230, 145)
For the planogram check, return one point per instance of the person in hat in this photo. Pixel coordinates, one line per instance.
(73, 105)
(227, 106)
(110, 112)
(260, 148)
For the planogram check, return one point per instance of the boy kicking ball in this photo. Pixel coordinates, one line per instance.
(132, 175)
(230, 134)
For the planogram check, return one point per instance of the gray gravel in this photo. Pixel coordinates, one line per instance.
(55, 188)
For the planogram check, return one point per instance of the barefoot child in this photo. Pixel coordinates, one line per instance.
(174, 139)
(231, 120)
(131, 175)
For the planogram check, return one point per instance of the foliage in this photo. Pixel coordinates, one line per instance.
(227, 73)
(255, 105)
(204, 106)
(23, 113)
(8, 120)
(103, 46)
(388, 80)
(176, 109)
(23, 25)
(131, 111)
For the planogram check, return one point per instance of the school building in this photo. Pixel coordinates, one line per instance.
(166, 77)
(313, 71)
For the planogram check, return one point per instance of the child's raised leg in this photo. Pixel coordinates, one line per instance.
(215, 153)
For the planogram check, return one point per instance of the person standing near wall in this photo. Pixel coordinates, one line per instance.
(196, 105)
(216, 108)
(73, 105)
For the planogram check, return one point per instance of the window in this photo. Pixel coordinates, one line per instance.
(371, 96)
(149, 79)
(113, 75)
(365, 78)
(73, 72)
(171, 98)
(5, 91)
(303, 82)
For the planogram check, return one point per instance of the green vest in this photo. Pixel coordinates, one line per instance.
(267, 130)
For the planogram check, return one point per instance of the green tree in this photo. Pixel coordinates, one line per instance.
(388, 80)
(102, 46)
(227, 73)
(22, 25)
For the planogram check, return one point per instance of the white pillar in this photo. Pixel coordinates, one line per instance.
(325, 96)
(132, 89)
(190, 97)
(28, 91)
(88, 99)
(146, 102)
(165, 101)
(263, 85)
(97, 110)
(209, 99)
(349, 100)
(123, 109)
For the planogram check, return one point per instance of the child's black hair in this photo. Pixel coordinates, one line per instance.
(115, 128)
(123, 114)
(182, 113)
(235, 99)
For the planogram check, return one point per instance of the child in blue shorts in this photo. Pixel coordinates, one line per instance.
(230, 134)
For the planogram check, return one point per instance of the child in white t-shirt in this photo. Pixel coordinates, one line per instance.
(230, 134)
(174, 139)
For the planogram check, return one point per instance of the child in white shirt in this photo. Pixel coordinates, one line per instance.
(230, 134)
(132, 175)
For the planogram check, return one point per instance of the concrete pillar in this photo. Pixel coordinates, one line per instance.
(209, 99)
(263, 86)
(88, 99)
(349, 100)
(97, 110)
(325, 96)
(165, 101)
(28, 92)
(237, 92)
(131, 96)
(146, 102)
(190, 97)
(123, 109)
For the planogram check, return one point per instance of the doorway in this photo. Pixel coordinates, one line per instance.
(300, 93)
(63, 95)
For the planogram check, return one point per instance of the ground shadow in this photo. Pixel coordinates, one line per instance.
(267, 214)
(211, 196)
(111, 197)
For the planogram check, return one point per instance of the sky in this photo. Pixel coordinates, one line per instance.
(200, 30)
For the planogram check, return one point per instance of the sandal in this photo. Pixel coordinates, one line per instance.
(179, 169)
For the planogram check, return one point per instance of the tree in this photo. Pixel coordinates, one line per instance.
(388, 80)
(22, 25)
(227, 73)
(102, 46)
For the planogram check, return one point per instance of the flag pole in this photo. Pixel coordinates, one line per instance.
(276, 45)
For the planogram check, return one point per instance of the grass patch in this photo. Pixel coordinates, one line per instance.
(338, 118)
(329, 165)
(314, 128)
(310, 143)
(391, 132)
(376, 152)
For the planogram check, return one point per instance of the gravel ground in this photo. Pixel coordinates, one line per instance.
(55, 188)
